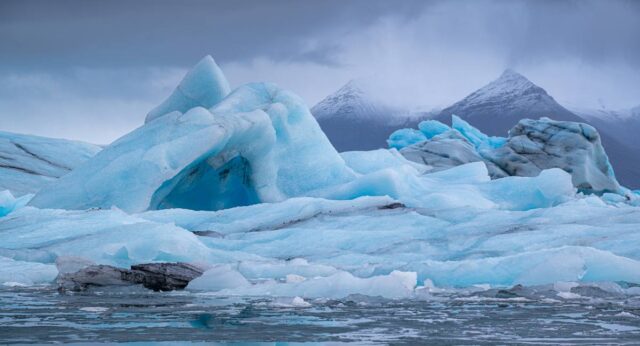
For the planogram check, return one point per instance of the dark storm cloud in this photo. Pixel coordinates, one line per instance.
(82, 61)
(596, 31)
(161, 32)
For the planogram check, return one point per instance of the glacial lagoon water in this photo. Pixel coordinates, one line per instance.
(586, 315)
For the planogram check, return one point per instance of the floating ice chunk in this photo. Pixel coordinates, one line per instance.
(448, 150)
(102, 236)
(574, 147)
(30, 162)
(475, 136)
(432, 128)
(340, 285)
(204, 86)
(532, 146)
(25, 273)
(295, 268)
(218, 278)
(568, 263)
(260, 144)
(405, 137)
(286, 302)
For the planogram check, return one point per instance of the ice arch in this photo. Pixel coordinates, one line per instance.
(212, 184)
(179, 160)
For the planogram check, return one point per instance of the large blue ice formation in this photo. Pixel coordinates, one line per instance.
(251, 190)
(260, 144)
(532, 145)
(204, 86)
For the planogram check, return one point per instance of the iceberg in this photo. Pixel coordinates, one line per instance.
(475, 136)
(28, 163)
(395, 285)
(250, 190)
(204, 86)
(532, 146)
(23, 273)
(260, 144)
(432, 128)
(405, 137)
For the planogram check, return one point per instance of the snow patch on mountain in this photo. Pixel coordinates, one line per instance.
(354, 119)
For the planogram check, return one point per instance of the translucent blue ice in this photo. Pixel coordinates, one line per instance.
(432, 128)
(251, 190)
(475, 136)
(404, 138)
(204, 86)
(27, 163)
(8, 203)
(260, 144)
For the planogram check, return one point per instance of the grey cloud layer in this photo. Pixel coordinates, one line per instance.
(69, 56)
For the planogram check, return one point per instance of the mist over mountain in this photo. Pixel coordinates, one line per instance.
(354, 119)
(499, 105)
(624, 124)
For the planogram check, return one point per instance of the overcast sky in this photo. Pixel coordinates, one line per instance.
(91, 70)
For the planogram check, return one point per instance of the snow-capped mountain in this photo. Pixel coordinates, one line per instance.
(355, 120)
(499, 105)
(351, 101)
(623, 124)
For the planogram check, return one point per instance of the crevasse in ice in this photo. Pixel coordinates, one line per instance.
(252, 190)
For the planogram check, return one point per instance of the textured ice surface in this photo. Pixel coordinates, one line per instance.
(18, 273)
(8, 203)
(310, 247)
(404, 138)
(204, 86)
(27, 163)
(432, 128)
(365, 162)
(258, 144)
(252, 190)
(475, 136)
(532, 146)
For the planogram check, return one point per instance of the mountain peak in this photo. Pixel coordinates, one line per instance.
(512, 80)
(510, 73)
(510, 85)
(499, 105)
(348, 101)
